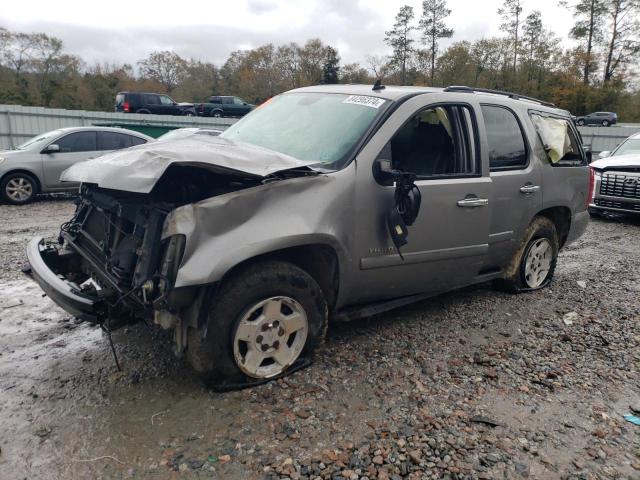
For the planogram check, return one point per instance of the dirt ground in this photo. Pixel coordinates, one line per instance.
(473, 384)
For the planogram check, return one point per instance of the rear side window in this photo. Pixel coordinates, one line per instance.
(113, 140)
(78, 142)
(119, 99)
(507, 148)
(137, 141)
(152, 99)
(216, 100)
(559, 139)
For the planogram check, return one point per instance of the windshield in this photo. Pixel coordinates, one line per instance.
(630, 146)
(39, 141)
(322, 128)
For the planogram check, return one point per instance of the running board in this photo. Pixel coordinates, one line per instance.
(370, 309)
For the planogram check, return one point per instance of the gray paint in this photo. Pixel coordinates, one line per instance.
(448, 246)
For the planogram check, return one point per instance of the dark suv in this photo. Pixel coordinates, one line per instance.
(598, 118)
(224, 106)
(155, 103)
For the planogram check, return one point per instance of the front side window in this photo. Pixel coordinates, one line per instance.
(436, 142)
(227, 100)
(78, 142)
(507, 148)
(322, 128)
(238, 101)
(152, 99)
(39, 141)
(166, 100)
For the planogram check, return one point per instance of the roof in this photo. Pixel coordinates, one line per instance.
(395, 92)
(105, 129)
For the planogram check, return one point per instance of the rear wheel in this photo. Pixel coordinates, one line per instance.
(217, 114)
(265, 321)
(18, 188)
(533, 265)
(143, 110)
(580, 122)
(605, 123)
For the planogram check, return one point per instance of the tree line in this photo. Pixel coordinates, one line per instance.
(597, 73)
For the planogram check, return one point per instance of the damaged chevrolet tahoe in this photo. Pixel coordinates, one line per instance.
(328, 202)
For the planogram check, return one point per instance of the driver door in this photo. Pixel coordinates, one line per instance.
(448, 242)
(74, 147)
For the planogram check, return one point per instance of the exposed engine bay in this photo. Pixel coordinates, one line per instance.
(111, 248)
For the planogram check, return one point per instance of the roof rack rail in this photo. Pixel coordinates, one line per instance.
(515, 96)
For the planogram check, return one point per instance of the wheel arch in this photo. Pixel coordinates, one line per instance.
(319, 260)
(26, 172)
(561, 218)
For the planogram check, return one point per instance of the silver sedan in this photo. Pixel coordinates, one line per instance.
(35, 166)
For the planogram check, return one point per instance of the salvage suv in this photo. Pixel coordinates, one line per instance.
(327, 202)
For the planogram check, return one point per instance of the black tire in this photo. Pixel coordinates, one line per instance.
(210, 350)
(605, 123)
(28, 182)
(580, 123)
(216, 114)
(143, 110)
(189, 114)
(515, 279)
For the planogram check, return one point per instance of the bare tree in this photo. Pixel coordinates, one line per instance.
(623, 43)
(511, 13)
(167, 68)
(379, 65)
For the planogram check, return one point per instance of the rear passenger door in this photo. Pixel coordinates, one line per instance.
(516, 178)
(152, 103)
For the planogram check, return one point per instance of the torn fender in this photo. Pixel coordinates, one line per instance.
(137, 169)
(225, 230)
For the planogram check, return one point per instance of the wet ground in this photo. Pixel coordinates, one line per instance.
(474, 384)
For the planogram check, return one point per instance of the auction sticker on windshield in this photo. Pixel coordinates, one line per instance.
(373, 102)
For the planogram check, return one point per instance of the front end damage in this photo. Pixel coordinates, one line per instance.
(111, 264)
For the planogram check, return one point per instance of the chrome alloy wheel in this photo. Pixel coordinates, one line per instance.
(270, 336)
(19, 189)
(538, 262)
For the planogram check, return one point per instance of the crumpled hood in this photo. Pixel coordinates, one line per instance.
(137, 169)
(632, 160)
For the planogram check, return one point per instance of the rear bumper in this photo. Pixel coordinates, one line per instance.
(42, 258)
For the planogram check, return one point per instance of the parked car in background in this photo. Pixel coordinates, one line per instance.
(35, 166)
(605, 119)
(224, 106)
(310, 209)
(153, 103)
(187, 132)
(617, 179)
(629, 146)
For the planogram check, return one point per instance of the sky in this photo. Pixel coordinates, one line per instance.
(120, 31)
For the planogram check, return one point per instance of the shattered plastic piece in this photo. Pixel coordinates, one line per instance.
(633, 419)
(569, 318)
(582, 284)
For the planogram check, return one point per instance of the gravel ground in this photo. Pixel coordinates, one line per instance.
(473, 384)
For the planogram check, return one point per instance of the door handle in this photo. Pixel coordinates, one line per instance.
(529, 188)
(473, 202)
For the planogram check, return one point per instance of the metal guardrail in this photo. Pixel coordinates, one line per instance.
(18, 123)
(606, 138)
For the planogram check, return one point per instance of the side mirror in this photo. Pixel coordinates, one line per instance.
(589, 155)
(605, 154)
(53, 148)
(383, 172)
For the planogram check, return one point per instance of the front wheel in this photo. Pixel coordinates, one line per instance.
(533, 265)
(581, 123)
(217, 114)
(18, 188)
(265, 321)
(605, 123)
